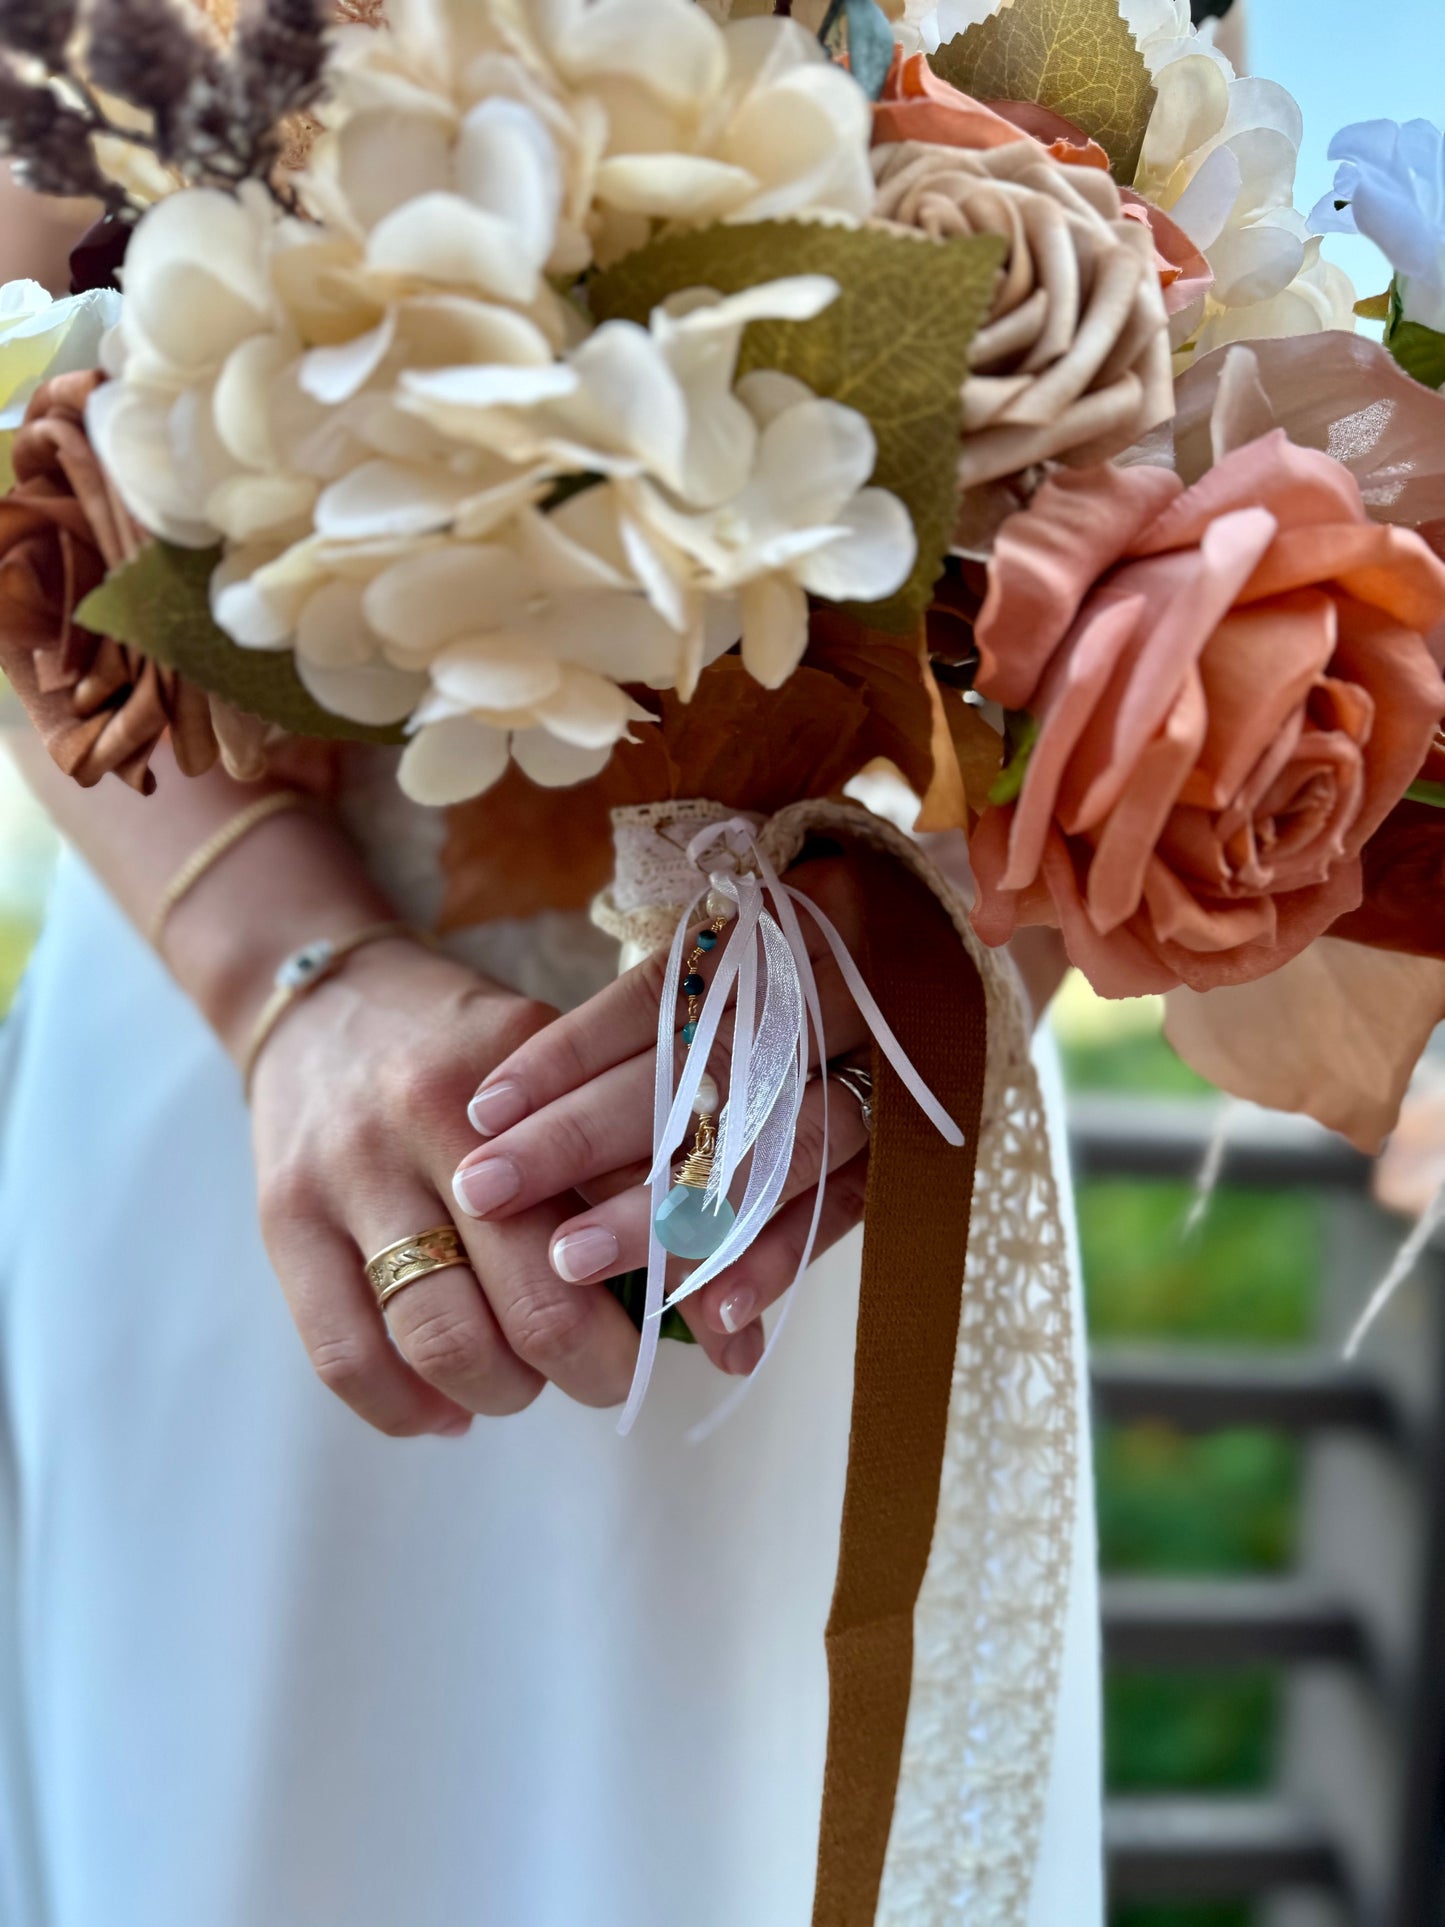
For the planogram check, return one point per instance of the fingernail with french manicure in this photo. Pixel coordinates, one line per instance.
(740, 1355)
(497, 1107)
(739, 1309)
(481, 1189)
(582, 1254)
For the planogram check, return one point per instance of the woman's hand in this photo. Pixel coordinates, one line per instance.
(359, 1105)
(570, 1110)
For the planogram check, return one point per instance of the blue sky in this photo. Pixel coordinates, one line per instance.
(1348, 60)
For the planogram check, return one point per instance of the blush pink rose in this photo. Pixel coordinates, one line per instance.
(1233, 688)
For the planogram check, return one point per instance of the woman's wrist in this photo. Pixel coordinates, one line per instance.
(293, 879)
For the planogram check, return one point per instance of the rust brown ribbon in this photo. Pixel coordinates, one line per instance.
(920, 1193)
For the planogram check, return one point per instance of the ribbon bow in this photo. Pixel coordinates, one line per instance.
(770, 1060)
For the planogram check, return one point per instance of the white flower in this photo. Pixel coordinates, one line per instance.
(1220, 155)
(629, 400)
(1391, 180)
(41, 337)
(805, 524)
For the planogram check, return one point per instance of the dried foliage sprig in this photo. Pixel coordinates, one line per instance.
(216, 115)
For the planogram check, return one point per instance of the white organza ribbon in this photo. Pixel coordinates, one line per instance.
(771, 1055)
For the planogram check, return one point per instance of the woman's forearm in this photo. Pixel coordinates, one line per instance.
(292, 878)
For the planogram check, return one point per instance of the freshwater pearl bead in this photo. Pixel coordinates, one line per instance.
(722, 906)
(707, 1096)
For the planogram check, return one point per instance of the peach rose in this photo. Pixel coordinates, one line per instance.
(1232, 688)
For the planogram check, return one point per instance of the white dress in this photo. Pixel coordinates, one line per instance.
(261, 1667)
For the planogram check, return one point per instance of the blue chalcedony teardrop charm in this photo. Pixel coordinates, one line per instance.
(688, 1227)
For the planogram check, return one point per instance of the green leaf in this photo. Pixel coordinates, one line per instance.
(894, 345)
(1077, 57)
(1424, 791)
(160, 603)
(1021, 732)
(1419, 350)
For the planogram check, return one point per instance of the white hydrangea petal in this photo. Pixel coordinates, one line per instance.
(450, 394)
(390, 499)
(670, 46)
(767, 392)
(443, 238)
(556, 764)
(586, 709)
(506, 165)
(629, 401)
(242, 406)
(872, 559)
(245, 507)
(1204, 208)
(447, 762)
(257, 594)
(426, 601)
(1254, 264)
(619, 636)
(331, 630)
(811, 460)
(774, 614)
(130, 432)
(494, 671)
(374, 693)
(674, 186)
(333, 375)
(195, 278)
(385, 158)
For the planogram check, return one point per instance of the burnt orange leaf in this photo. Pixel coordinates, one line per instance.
(891, 674)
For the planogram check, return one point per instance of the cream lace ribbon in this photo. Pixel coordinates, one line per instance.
(989, 1626)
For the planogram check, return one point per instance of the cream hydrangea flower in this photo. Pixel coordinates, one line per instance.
(1220, 156)
(653, 112)
(805, 524)
(456, 503)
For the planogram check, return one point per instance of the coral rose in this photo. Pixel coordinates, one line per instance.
(1232, 687)
(98, 705)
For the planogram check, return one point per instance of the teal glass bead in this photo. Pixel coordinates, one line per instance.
(707, 940)
(686, 1225)
(693, 985)
(689, 1031)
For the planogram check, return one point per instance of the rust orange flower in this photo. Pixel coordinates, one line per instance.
(1233, 689)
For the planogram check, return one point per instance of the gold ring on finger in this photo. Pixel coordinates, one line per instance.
(403, 1263)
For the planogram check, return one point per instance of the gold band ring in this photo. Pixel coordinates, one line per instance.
(401, 1264)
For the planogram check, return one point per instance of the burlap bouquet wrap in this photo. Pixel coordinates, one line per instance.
(939, 1746)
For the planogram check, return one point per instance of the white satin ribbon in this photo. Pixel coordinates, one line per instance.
(771, 1055)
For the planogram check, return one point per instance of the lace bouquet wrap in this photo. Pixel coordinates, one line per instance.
(653, 421)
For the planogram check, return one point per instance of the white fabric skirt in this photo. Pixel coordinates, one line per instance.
(261, 1667)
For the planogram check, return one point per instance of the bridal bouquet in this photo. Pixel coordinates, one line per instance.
(654, 415)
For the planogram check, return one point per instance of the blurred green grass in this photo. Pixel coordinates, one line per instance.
(17, 939)
(1168, 1502)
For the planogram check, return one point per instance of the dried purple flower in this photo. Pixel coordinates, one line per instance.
(41, 28)
(146, 53)
(48, 140)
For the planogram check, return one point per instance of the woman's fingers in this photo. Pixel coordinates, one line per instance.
(582, 1341)
(613, 1236)
(606, 1124)
(442, 1325)
(734, 1302)
(346, 1340)
(620, 1022)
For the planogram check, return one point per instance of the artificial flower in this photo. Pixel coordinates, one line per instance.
(1390, 186)
(1073, 363)
(98, 705)
(804, 524)
(1220, 155)
(1232, 689)
(41, 337)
